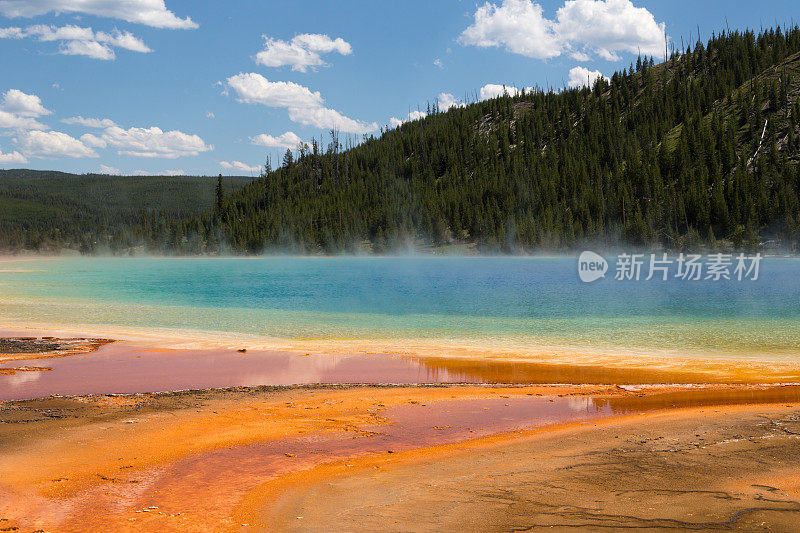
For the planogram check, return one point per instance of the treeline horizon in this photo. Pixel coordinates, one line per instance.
(699, 152)
(51, 211)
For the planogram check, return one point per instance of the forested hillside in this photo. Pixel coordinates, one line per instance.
(699, 151)
(53, 211)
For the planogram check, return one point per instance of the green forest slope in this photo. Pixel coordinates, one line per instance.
(699, 150)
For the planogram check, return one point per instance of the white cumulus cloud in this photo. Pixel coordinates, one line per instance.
(610, 26)
(19, 111)
(22, 104)
(602, 27)
(10, 121)
(493, 90)
(304, 106)
(152, 13)
(446, 101)
(238, 165)
(412, 116)
(93, 141)
(581, 76)
(111, 171)
(254, 88)
(75, 40)
(12, 158)
(580, 56)
(148, 142)
(303, 51)
(89, 122)
(324, 118)
(91, 49)
(52, 144)
(122, 39)
(11, 33)
(517, 25)
(287, 140)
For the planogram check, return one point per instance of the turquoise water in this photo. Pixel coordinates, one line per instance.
(522, 301)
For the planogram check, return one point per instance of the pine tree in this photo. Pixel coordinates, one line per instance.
(288, 159)
(220, 196)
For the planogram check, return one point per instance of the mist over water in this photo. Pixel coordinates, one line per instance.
(522, 301)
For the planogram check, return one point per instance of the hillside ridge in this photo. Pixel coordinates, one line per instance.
(700, 151)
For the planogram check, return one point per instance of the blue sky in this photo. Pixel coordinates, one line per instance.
(208, 87)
